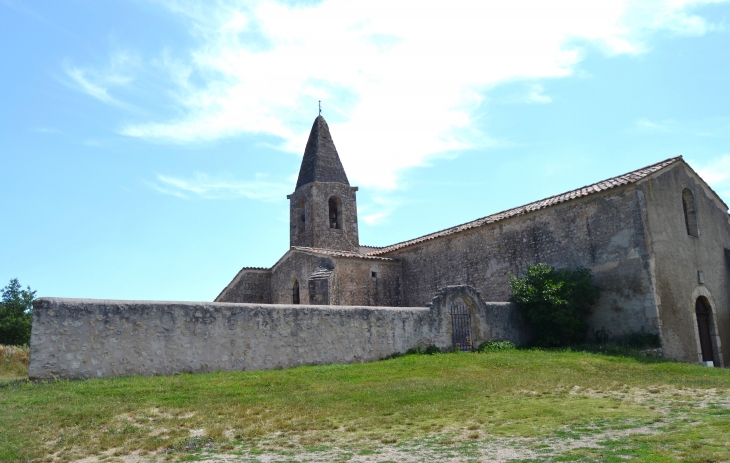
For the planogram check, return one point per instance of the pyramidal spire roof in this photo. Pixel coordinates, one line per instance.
(321, 163)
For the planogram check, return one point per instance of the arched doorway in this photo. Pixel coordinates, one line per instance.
(295, 292)
(704, 320)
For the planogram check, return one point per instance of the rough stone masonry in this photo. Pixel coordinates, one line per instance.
(86, 338)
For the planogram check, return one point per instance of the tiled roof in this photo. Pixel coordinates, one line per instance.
(625, 179)
(336, 253)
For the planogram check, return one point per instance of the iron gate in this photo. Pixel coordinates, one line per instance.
(461, 325)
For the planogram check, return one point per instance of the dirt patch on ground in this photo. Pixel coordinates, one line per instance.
(473, 444)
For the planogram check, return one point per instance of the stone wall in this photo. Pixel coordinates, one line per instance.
(351, 283)
(604, 232)
(680, 257)
(370, 282)
(82, 338)
(250, 285)
(295, 265)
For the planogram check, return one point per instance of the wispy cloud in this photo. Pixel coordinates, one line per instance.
(386, 73)
(208, 187)
(52, 130)
(537, 95)
(531, 93)
(377, 210)
(97, 82)
(412, 72)
(702, 127)
(716, 172)
(646, 124)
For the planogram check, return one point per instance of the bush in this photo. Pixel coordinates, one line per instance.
(555, 303)
(494, 346)
(16, 310)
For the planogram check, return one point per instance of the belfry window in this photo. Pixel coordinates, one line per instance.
(335, 215)
(690, 212)
(295, 293)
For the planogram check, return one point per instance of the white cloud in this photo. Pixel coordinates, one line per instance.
(536, 95)
(400, 81)
(716, 172)
(378, 209)
(52, 130)
(646, 124)
(207, 187)
(97, 82)
(715, 127)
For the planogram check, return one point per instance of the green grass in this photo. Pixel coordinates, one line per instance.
(450, 403)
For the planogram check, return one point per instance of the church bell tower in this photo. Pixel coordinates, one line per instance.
(323, 207)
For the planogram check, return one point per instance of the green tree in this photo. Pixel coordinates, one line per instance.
(16, 311)
(555, 303)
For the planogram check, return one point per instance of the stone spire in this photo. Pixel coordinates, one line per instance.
(321, 163)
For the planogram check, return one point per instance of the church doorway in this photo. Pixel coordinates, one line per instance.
(461, 325)
(704, 314)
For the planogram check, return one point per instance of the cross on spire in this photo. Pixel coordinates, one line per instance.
(320, 107)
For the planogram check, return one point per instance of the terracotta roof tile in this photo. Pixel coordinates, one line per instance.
(625, 179)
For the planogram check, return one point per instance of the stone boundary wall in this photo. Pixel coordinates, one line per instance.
(86, 338)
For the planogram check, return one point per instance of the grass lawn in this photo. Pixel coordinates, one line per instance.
(518, 405)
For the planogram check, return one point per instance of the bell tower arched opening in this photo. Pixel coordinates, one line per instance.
(335, 213)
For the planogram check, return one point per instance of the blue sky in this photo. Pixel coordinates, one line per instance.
(148, 146)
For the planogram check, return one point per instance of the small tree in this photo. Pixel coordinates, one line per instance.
(15, 314)
(555, 303)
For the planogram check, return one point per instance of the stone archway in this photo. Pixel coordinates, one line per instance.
(459, 308)
(707, 337)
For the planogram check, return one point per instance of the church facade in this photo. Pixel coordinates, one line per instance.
(656, 239)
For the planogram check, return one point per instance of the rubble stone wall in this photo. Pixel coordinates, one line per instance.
(688, 267)
(250, 285)
(85, 338)
(605, 232)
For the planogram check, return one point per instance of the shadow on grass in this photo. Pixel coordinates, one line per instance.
(612, 350)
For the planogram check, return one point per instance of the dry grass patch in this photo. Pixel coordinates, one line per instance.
(14, 362)
(447, 402)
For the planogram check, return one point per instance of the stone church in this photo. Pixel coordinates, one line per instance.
(656, 239)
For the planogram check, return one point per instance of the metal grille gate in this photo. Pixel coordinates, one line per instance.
(461, 325)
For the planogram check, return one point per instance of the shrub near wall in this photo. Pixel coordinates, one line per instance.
(16, 307)
(555, 303)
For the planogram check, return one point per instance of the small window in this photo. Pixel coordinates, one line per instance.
(301, 219)
(374, 274)
(690, 212)
(295, 293)
(335, 215)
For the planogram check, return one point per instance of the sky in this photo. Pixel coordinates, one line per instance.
(147, 146)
